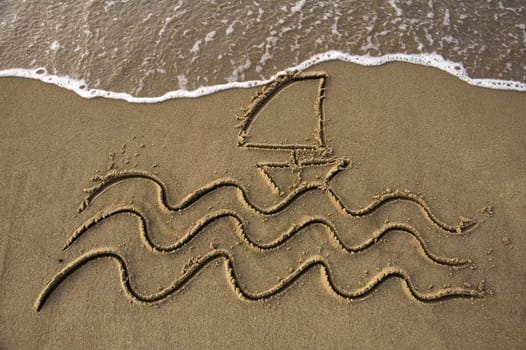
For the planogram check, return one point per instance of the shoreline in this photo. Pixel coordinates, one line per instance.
(81, 88)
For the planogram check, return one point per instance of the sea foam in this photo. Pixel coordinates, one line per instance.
(81, 88)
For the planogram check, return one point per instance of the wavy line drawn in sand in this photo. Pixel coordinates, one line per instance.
(314, 154)
(240, 231)
(202, 262)
(115, 177)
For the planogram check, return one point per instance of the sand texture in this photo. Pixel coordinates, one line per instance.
(343, 207)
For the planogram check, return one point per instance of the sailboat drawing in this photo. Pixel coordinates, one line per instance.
(303, 163)
(314, 154)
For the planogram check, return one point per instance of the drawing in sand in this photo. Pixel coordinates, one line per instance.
(314, 154)
(305, 153)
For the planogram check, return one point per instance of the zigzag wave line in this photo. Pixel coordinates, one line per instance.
(241, 292)
(116, 177)
(240, 231)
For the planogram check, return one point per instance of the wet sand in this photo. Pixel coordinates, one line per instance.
(434, 182)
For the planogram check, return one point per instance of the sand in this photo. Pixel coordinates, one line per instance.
(189, 236)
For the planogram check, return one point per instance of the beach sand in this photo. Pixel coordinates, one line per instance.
(418, 135)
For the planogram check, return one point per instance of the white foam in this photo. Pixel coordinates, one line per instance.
(210, 36)
(183, 81)
(433, 60)
(297, 8)
(230, 28)
(55, 45)
(397, 9)
(446, 18)
(197, 46)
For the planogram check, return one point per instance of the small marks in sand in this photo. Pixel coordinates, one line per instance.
(489, 211)
(128, 155)
(306, 160)
(506, 241)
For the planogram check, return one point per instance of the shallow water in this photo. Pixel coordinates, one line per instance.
(167, 48)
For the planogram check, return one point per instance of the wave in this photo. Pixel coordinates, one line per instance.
(161, 53)
(282, 238)
(115, 177)
(81, 88)
(202, 262)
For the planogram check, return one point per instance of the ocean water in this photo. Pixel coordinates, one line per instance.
(152, 51)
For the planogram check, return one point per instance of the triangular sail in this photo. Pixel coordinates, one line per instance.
(300, 124)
